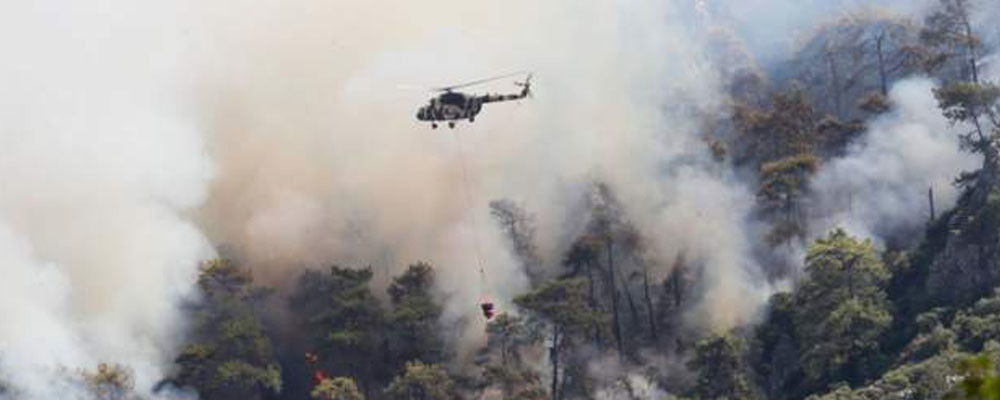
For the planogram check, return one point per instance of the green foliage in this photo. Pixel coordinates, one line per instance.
(841, 309)
(422, 381)
(979, 324)
(507, 333)
(515, 382)
(519, 227)
(979, 379)
(782, 184)
(721, 369)
(929, 343)
(244, 373)
(413, 321)
(982, 228)
(778, 348)
(562, 302)
(339, 388)
(109, 382)
(875, 103)
(964, 101)
(786, 128)
(344, 320)
(969, 102)
(786, 177)
(948, 28)
(231, 356)
(929, 379)
(847, 336)
(946, 24)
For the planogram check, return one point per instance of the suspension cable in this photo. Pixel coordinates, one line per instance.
(469, 202)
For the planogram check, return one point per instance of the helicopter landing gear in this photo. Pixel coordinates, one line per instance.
(434, 125)
(451, 124)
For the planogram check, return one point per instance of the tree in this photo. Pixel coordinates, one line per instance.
(786, 128)
(519, 226)
(345, 321)
(860, 53)
(563, 304)
(610, 254)
(110, 382)
(842, 309)
(516, 382)
(721, 369)
(230, 355)
(506, 334)
(582, 259)
(948, 28)
(965, 267)
(782, 184)
(605, 221)
(422, 382)
(976, 105)
(778, 362)
(929, 379)
(413, 321)
(339, 388)
(980, 323)
(509, 332)
(979, 379)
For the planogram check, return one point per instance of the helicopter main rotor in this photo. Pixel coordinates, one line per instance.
(479, 81)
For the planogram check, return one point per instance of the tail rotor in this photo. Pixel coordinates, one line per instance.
(526, 85)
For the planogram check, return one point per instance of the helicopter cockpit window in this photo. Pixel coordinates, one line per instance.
(454, 99)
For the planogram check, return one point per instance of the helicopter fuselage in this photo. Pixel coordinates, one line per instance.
(453, 106)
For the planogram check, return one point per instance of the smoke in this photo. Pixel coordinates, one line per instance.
(319, 159)
(880, 188)
(773, 29)
(631, 387)
(99, 167)
(137, 134)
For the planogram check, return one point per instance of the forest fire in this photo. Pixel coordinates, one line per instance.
(696, 199)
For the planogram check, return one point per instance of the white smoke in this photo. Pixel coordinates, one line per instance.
(880, 187)
(98, 167)
(631, 387)
(129, 128)
(320, 161)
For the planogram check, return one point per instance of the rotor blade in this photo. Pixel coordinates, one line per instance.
(476, 82)
(525, 82)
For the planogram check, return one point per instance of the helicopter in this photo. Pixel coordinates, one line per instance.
(452, 106)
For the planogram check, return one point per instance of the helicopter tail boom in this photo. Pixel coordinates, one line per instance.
(525, 92)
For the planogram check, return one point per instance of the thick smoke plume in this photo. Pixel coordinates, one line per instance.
(138, 136)
(102, 160)
(880, 188)
(133, 132)
(320, 161)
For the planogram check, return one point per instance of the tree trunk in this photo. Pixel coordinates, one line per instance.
(649, 305)
(592, 299)
(835, 83)
(614, 297)
(930, 201)
(554, 356)
(970, 44)
(633, 310)
(849, 267)
(883, 76)
(503, 350)
(675, 282)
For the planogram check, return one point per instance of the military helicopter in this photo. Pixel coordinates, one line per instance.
(452, 106)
